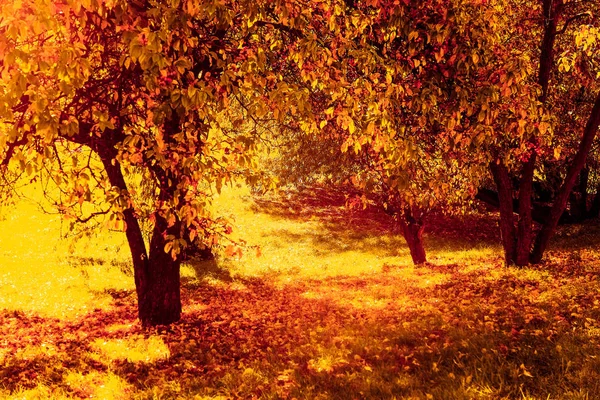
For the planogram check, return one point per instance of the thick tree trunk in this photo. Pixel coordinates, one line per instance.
(560, 203)
(156, 277)
(412, 229)
(507, 221)
(160, 303)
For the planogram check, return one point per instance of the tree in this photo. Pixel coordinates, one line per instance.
(419, 89)
(557, 18)
(151, 90)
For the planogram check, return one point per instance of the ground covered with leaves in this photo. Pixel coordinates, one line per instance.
(332, 309)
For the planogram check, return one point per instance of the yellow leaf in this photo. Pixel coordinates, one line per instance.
(351, 126)
(371, 128)
(557, 151)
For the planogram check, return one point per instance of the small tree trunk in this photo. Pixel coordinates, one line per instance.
(507, 221)
(525, 234)
(412, 230)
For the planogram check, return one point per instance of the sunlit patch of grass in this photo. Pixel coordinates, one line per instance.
(40, 272)
(40, 392)
(188, 272)
(134, 349)
(331, 310)
(306, 247)
(30, 352)
(98, 385)
(472, 257)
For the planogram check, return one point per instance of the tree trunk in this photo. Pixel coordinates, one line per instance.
(517, 244)
(412, 230)
(524, 234)
(156, 277)
(552, 11)
(507, 220)
(515, 247)
(160, 303)
(560, 203)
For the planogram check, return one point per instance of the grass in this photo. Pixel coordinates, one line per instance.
(332, 309)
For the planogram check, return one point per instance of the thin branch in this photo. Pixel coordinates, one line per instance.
(572, 19)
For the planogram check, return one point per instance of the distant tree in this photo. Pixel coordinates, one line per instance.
(415, 89)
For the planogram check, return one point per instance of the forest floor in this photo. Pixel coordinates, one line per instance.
(331, 309)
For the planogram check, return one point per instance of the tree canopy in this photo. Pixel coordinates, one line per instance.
(109, 99)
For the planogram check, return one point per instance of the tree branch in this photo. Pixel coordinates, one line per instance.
(572, 19)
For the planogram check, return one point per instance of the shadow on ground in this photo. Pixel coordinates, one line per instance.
(407, 332)
(342, 223)
(209, 269)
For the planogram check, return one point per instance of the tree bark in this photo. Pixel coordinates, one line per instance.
(160, 303)
(524, 233)
(412, 230)
(584, 178)
(560, 203)
(552, 11)
(157, 276)
(507, 221)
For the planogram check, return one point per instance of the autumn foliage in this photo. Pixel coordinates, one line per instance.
(252, 177)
